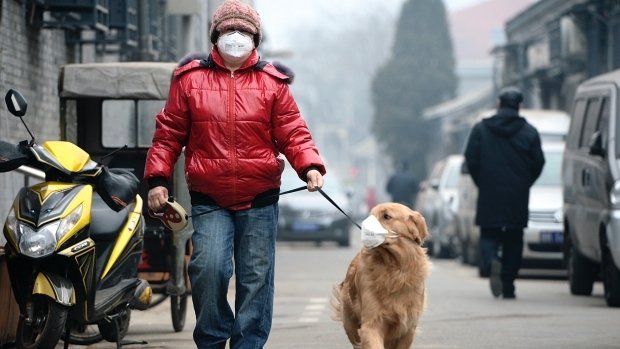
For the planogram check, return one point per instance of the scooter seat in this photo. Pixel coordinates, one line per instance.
(106, 223)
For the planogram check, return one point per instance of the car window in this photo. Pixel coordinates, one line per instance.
(603, 121)
(576, 124)
(436, 173)
(591, 121)
(453, 175)
(551, 174)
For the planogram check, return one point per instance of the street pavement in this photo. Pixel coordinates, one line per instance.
(461, 313)
(302, 317)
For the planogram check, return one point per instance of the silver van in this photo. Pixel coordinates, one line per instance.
(591, 182)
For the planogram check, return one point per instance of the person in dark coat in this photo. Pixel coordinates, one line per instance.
(504, 158)
(402, 186)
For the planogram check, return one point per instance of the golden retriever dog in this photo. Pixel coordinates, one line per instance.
(383, 295)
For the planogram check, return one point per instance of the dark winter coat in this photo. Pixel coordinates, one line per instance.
(504, 158)
(233, 127)
(403, 188)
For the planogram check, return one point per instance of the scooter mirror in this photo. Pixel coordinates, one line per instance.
(16, 103)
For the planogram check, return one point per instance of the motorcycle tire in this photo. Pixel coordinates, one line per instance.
(108, 329)
(84, 335)
(47, 326)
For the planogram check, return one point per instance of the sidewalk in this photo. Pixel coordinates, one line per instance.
(155, 327)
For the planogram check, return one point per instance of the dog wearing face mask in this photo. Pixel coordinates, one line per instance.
(383, 293)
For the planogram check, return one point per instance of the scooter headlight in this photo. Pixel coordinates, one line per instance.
(37, 243)
(67, 223)
(42, 242)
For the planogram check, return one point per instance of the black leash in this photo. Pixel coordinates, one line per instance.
(266, 197)
(288, 192)
(338, 207)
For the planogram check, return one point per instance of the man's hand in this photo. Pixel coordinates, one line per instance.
(157, 198)
(315, 180)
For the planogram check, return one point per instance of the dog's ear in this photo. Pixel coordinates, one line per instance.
(417, 226)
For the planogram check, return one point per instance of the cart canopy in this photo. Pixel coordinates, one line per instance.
(139, 80)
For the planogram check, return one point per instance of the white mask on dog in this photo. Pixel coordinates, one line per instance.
(373, 233)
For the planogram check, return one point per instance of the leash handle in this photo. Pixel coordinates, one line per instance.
(338, 207)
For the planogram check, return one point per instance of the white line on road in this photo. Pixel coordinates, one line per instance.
(313, 310)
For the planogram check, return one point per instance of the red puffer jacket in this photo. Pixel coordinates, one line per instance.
(233, 126)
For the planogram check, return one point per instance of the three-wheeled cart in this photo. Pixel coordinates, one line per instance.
(108, 109)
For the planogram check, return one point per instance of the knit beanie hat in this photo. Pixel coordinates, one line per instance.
(234, 14)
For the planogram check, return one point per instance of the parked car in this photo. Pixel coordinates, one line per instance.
(591, 182)
(544, 234)
(467, 230)
(538, 250)
(422, 203)
(308, 216)
(439, 205)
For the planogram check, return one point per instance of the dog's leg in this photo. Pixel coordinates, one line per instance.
(372, 337)
(406, 341)
(351, 326)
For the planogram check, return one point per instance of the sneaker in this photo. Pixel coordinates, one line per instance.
(495, 279)
(509, 296)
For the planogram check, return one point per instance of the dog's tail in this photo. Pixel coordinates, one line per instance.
(336, 303)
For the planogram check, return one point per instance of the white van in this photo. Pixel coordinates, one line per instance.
(542, 245)
(591, 181)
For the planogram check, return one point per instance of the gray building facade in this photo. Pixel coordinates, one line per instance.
(555, 44)
(37, 37)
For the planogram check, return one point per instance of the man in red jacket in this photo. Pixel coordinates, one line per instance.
(234, 115)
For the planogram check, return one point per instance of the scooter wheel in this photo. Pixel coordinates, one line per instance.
(84, 335)
(46, 328)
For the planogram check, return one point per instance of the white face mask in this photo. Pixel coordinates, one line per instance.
(235, 45)
(373, 233)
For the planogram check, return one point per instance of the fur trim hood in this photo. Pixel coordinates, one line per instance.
(281, 67)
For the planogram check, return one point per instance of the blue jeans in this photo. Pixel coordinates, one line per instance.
(247, 237)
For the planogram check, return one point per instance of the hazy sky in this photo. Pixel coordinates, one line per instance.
(280, 16)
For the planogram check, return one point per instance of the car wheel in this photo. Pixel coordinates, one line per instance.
(429, 248)
(482, 271)
(474, 253)
(455, 247)
(611, 280)
(581, 273)
(465, 251)
(441, 250)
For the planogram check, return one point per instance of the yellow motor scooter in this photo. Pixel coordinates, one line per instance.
(73, 242)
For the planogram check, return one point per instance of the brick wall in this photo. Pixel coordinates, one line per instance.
(29, 62)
